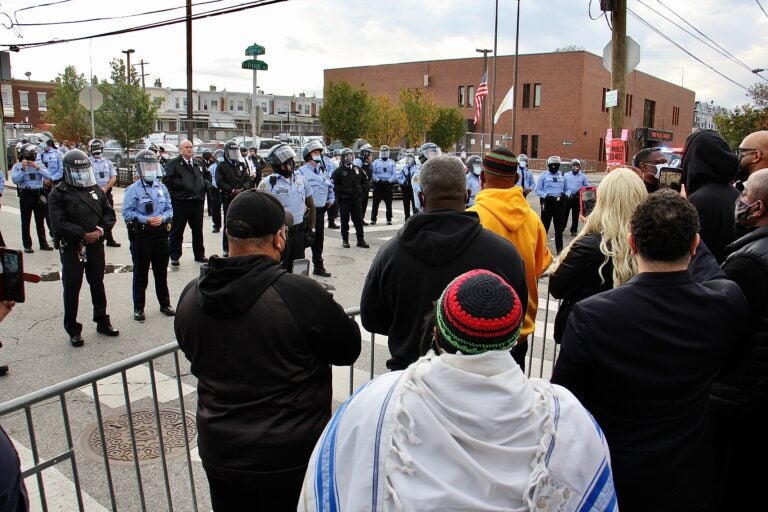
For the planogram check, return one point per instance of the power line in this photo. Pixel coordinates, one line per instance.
(712, 44)
(761, 8)
(657, 31)
(125, 16)
(173, 21)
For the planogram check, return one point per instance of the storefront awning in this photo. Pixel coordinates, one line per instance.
(221, 123)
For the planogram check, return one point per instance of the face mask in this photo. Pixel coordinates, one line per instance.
(409, 161)
(741, 212)
(287, 168)
(81, 178)
(523, 162)
(149, 176)
(476, 169)
(317, 158)
(219, 159)
(384, 155)
(575, 170)
(553, 168)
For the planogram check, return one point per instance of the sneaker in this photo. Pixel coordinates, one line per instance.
(174, 263)
(345, 245)
(361, 243)
(320, 271)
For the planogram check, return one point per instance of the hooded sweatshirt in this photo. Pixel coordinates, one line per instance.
(507, 213)
(260, 342)
(410, 271)
(709, 167)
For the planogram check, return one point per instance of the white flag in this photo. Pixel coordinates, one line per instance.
(508, 103)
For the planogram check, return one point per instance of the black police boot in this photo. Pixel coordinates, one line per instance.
(320, 271)
(105, 327)
(345, 244)
(361, 243)
(138, 315)
(76, 340)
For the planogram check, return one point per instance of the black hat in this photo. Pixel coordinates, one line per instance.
(253, 214)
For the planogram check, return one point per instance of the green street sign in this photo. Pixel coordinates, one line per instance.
(258, 65)
(255, 49)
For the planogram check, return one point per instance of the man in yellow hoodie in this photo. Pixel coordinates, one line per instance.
(503, 209)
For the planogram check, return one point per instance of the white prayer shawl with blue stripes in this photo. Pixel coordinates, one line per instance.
(460, 433)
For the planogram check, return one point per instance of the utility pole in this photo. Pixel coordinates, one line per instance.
(190, 107)
(514, 85)
(619, 62)
(143, 74)
(485, 53)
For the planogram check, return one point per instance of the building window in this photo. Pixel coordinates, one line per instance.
(675, 115)
(205, 104)
(264, 107)
(7, 96)
(214, 104)
(526, 95)
(649, 112)
(178, 103)
(601, 151)
(461, 95)
(471, 95)
(524, 144)
(232, 105)
(603, 108)
(628, 106)
(306, 109)
(184, 102)
(534, 146)
(537, 95)
(239, 105)
(42, 104)
(24, 100)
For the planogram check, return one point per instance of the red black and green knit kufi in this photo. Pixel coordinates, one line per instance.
(500, 162)
(477, 312)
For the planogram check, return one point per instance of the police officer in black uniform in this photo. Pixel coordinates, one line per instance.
(213, 195)
(348, 182)
(148, 212)
(232, 177)
(80, 214)
(364, 164)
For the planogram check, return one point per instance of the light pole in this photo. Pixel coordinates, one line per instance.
(128, 53)
(28, 75)
(485, 53)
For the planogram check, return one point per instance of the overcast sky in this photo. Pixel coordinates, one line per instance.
(303, 37)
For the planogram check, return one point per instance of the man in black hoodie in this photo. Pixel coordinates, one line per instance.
(430, 250)
(709, 167)
(260, 342)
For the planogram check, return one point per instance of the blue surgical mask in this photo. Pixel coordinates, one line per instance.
(219, 159)
(476, 169)
(317, 158)
(149, 176)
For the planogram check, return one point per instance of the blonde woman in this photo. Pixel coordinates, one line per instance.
(599, 258)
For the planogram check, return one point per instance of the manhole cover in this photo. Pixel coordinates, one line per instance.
(118, 436)
(334, 259)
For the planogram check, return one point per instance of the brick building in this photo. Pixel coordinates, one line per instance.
(560, 102)
(24, 103)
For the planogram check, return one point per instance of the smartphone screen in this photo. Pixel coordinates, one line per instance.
(301, 266)
(12, 276)
(587, 200)
(671, 177)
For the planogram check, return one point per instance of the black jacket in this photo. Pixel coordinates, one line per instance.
(76, 211)
(348, 182)
(641, 358)
(182, 182)
(410, 271)
(578, 275)
(744, 380)
(709, 167)
(260, 342)
(230, 176)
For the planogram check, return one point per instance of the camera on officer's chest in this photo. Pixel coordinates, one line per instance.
(149, 208)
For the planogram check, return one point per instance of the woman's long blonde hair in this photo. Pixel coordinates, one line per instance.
(618, 195)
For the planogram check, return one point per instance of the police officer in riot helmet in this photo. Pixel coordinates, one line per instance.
(426, 151)
(106, 177)
(384, 176)
(148, 212)
(295, 194)
(29, 177)
(348, 182)
(364, 164)
(232, 177)
(405, 178)
(80, 214)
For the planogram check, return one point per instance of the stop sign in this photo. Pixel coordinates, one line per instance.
(90, 97)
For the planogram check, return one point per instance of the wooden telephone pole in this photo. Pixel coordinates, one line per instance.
(619, 63)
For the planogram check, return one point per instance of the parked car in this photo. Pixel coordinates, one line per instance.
(114, 151)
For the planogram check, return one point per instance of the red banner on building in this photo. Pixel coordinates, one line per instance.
(615, 153)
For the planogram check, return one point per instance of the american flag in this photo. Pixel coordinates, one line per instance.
(482, 92)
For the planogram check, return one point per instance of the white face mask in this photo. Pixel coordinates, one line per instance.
(317, 158)
(523, 162)
(149, 176)
(476, 169)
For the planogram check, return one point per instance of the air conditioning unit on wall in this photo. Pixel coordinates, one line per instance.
(426, 80)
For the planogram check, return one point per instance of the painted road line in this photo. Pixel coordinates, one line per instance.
(139, 386)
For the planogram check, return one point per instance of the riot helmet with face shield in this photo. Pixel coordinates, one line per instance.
(231, 151)
(147, 166)
(96, 147)
(347, 156)
(282, 159)
(77, 169)
(309, 148)
(428, 150)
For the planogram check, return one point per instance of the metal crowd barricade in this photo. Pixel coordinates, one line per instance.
(540, 355)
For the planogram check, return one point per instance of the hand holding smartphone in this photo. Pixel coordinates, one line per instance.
(587, 200)
(671, 177)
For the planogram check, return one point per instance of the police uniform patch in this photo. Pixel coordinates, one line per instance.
(94, 196)
(416, 179)
(263, 185)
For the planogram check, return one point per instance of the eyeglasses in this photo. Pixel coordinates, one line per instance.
(740, 152)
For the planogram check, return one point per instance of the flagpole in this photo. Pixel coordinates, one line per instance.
(493, 90)
(514, 85)
(485, 53)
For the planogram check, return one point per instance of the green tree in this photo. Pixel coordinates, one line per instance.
(419, 110)
(449, 126)
(344, 111)
(70, 119)
(385, 124)
(128, 114)
(759, 94)
(736, 124)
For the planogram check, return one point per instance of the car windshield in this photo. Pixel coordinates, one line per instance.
(267, 144)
